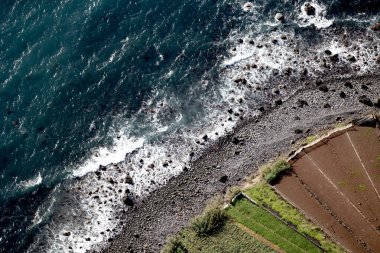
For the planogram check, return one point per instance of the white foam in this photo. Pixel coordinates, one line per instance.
(336, 48)
(169, 74)
(31, 182)
(112, 57)
(104, 156)
(237, 58)
(43, 210)
(248, 6)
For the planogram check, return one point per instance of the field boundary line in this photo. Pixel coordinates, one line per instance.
(324, 138)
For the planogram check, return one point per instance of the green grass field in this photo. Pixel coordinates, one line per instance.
(266, 225)
(230, 239)
(265, 195)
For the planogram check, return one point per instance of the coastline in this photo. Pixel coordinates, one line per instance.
(253, 142)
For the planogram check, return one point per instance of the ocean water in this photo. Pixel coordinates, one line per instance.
(102, 101)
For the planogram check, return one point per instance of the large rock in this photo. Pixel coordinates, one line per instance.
(365, 100)
(375, 27)
(128, 180)
(334, 58)
(241, 80)
(352, 58)
(278, 102)
(128, 200)
(16, 123)
(309, 9)
(235, 141)
(349, 85)
(224, 179)
(323, 88)
(301, 103)
(377, 104)
(279, 17)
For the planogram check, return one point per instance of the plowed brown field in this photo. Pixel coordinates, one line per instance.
(336, 184)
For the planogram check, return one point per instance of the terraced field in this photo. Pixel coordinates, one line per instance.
(265, 195)
(231, 238)
(266, 225)
(249, 228)
(336, 183)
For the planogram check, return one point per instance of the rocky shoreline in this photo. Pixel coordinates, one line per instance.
(254, 142)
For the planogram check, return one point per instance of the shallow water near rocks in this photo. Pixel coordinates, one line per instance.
(103, 101)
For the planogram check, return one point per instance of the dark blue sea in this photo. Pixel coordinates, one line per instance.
(102, 101)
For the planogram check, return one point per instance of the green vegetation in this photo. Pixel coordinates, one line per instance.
(311, 139)
(362, 187)
(340, 125)
(342, 183)
(265, 195)
(231, 193)
(175, 245)
(229, 239)
(272, 172)
(377, 163)
(266, 225)
(210, 221)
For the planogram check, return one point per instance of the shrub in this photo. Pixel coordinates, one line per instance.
(210, 221)
(175, 245)
(270, 173)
